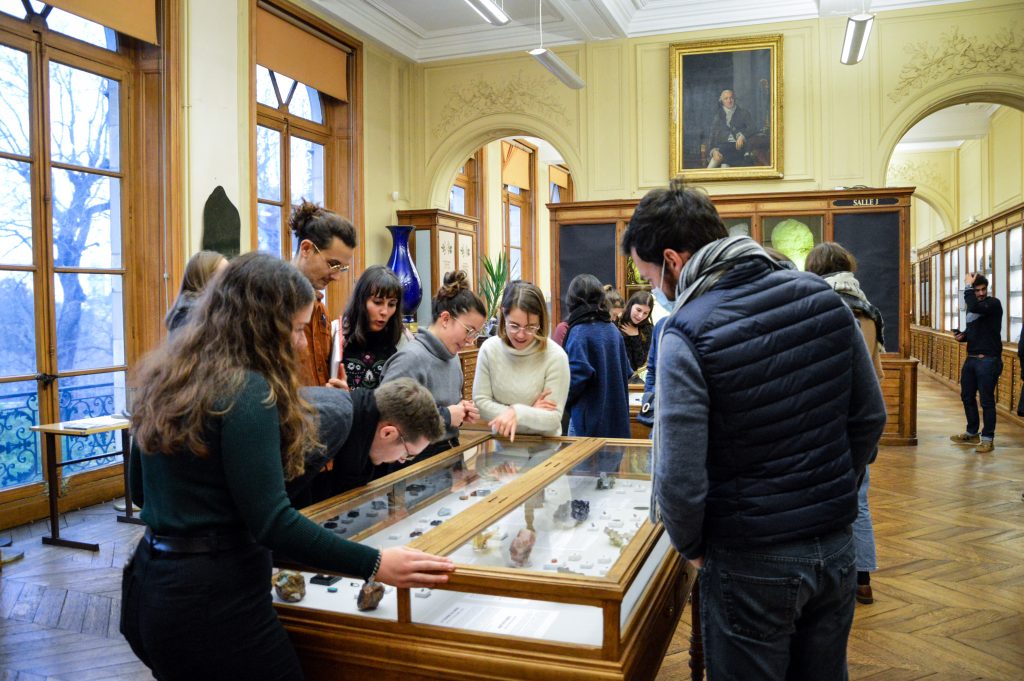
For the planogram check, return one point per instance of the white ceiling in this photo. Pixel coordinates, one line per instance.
(428, 30)
(948, 128)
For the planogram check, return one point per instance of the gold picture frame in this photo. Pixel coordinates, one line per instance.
(708, 142)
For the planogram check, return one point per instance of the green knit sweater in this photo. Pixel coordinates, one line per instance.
(239, 486)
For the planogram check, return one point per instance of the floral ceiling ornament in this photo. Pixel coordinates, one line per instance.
(955, 54)
(480, 97)
(916, 172)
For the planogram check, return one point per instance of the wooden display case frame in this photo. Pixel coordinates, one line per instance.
(334, 645)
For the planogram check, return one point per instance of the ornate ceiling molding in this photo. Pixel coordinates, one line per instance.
(955, 54)
(477, 98)
(916, 172)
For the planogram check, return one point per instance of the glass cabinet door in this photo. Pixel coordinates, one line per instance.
(793, 236)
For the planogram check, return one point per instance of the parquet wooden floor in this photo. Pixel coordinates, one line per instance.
(949, 597)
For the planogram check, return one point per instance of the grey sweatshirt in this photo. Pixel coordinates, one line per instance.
(427, 361)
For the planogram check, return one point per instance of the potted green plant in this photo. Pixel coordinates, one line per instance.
(492, 285)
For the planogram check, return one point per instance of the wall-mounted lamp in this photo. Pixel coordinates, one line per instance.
(489, 11)
(558, 68)
(855, 43)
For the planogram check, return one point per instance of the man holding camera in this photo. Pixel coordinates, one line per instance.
(983, 365)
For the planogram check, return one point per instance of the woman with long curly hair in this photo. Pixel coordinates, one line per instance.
(219, 425)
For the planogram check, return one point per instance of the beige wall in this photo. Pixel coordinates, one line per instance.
(964, 185)
(216, 135)
(421, 120)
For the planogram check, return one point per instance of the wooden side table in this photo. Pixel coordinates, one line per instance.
(81, 428)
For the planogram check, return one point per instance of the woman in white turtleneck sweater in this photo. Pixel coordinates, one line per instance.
(522, 378)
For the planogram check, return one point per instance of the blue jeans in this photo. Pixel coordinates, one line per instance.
(779, 612)
(864, 530)
(978, 377)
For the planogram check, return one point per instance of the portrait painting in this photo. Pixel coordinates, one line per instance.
(726, 109)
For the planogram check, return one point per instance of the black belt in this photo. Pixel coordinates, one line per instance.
(210, 543)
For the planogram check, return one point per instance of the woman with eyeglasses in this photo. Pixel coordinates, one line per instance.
(522, 378)
(324, 245)
(432, 358)
(219, 425)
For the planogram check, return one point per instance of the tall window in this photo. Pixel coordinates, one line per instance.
(291, 140)
(517, 172)
(924, 293)
(65, 84)
(1016, 302)
(464, 194)
(307, 128)
(952, 289)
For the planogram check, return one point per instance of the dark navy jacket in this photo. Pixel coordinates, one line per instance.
(768, 411)
(599, 372)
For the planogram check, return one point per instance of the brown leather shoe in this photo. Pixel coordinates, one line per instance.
(965, 438)
(985, 446)
(864, 594)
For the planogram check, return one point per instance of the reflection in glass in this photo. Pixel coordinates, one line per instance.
(17, 325)
(265, 87)
(737, 226)
(515, 226)
(457, 200)
(268, 163)
(15, 213)
(84, 397)
(82, 29)
(90, 320)
(415, 505)
(86, 220)
(794, 236)
(14, 121)
(578, 523)
(515, 264)
(21, 462)
(307, 169)
(306, 103)
(268, 230)
(84, 118)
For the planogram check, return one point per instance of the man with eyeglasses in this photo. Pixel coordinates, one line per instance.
(364, 429)
(325, 243)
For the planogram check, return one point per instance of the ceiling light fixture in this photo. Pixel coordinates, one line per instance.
(558, 68)
(489, 11)
(855, 43)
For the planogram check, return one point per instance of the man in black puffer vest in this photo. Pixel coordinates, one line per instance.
(768, 409)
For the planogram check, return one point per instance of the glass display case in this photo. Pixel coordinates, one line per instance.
(559, 571)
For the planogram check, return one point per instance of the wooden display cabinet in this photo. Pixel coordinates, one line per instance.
(585, 605)
(873, 224)
(443, 242)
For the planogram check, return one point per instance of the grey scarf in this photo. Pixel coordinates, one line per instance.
(700, 273)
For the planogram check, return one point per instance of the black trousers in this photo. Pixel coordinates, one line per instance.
(205, 616)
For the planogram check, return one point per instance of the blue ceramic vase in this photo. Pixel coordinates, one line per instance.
(401, 264)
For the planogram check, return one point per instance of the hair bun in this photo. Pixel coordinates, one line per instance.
(304, 212)
(453, 283)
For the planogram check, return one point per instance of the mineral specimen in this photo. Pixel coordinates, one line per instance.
(562, 512)
(415, 533)
(289, 585)
(353, 514)
(615, 538)
(444, 512)
(605, 481)
(580, 510)
(480, 541)
(522, 545)
(481, 492)
(378, 504)
(435, 523)
(369, 596)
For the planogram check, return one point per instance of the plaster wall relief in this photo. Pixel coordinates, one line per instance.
(933, 177)
(955, 54)
(466, 101)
